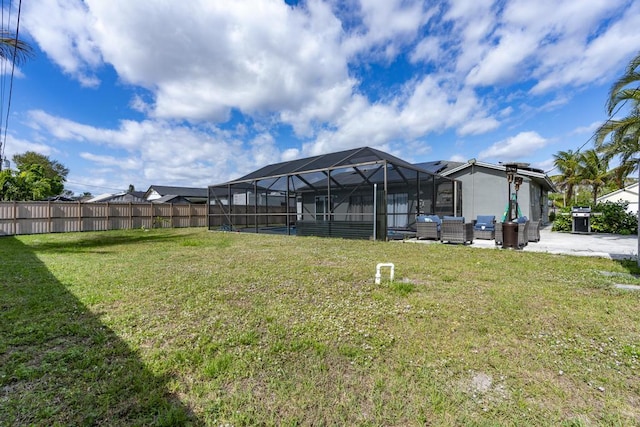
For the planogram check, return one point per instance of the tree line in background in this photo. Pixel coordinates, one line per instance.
(618, 139)
(586, 175)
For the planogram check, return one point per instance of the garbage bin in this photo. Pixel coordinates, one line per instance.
(510, 235)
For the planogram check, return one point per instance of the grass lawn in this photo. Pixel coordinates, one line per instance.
(179, 327)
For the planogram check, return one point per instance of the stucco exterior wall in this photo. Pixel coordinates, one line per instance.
(485, 192)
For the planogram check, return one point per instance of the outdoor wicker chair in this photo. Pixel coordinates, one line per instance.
(498, 235)
(428, 227)
(484, 227)
(523, 232)
(533, 234)
(455, 230)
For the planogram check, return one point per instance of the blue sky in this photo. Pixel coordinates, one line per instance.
(199, 92)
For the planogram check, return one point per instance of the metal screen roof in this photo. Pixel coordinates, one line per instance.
(347, 158)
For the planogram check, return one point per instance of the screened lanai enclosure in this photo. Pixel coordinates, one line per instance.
(359, 193)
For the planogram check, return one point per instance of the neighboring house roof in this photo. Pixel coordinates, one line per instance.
(629, 193)
(172, 198)
(535, 174)
(100, 198)
(60, 199)
(438, 166)
(138, 194)
(127, 196)
(163, 190)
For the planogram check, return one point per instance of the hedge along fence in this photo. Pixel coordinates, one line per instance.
(63, 217)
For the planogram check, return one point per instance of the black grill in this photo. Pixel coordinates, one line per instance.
(581, 219)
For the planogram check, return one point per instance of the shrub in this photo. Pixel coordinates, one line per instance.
(613, 218)
(562, 220)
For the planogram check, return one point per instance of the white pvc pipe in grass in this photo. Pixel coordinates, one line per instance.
(391, 271)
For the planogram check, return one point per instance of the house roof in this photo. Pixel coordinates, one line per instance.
(166, 199)
(101, 197)
(164, 190)
(438, 166)
(537, 175)
(347, 158)
(106, 197)
(629, 189)
(138, 194)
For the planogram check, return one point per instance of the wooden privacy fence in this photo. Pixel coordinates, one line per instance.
(63, 217)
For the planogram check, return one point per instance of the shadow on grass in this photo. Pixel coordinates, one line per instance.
(93, 241)
(59, 365)
(631, 265)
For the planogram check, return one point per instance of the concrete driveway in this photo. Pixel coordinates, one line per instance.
(612, 246)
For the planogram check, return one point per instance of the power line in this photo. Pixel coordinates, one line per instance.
(605, 122)
(4, 81)
(93, 186)
(13, 67)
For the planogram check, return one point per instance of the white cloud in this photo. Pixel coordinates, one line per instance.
(15, 146)
(518, 147)
(128, 163)
(390, 24)
(209, 62)
(257, 56)
(427, 50)
(589, 129)
(63, 29)
(586, 56)
(156, 150)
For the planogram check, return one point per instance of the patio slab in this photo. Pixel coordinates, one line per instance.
(612, 246)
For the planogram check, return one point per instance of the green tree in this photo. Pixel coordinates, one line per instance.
(621, 137)
(51, 168)
(567, 163)
(593, 170)
(28, 184)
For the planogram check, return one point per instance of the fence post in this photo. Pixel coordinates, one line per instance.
(49, 220)
(15, 218)
(80, 217)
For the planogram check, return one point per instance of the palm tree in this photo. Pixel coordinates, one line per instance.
(13, 49)
(567, 162)
(623, 133)
(594, 171)
(620, 175)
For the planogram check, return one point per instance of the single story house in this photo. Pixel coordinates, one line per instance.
(485, 189)
(366, 193)
(358, 193)
(628, 194)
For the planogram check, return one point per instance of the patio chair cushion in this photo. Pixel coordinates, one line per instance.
(522, 219)
(453, 218)
(430, 218)
(485, 222)
(435, 218)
